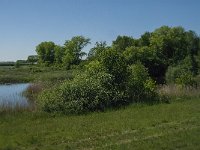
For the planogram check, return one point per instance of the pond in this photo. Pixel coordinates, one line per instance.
(12, 95)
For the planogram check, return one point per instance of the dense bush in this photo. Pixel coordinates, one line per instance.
(180, 75)
(140, 86)
(84, 93)
(185, 79)
(114, 63)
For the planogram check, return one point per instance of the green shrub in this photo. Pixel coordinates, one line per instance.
(180, 75)
(185, 79)
(84, 93)
(140, 86)
(115, 64)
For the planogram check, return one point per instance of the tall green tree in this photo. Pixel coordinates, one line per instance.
(73, 50)
(174, 45)
(145, 39)
(97, 50)
(46, 52)
(149, 58)
(122, 42)
(59, 53)
(170, 44)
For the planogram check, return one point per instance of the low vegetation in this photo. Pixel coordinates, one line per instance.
(25, 74)
(177, 92)
(138, 126)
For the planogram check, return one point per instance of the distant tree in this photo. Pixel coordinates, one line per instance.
(46, 52)
(170, 44)
(97, 49)
(59, 53)
(148, 57)
(73, 50)
(32, 59)
(182, 74)
(193, 42)
(173, 45)
(17, 64)
(122, 42)
(194, 50)
(145, 39)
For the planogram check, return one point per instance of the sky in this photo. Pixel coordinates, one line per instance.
(26, 23)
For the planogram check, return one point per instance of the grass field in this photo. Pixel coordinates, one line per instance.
(163, 126)
(31, 74)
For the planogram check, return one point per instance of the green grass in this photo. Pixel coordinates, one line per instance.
(162, 126)
(32, 74)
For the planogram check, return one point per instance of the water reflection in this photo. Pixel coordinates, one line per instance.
(12, 95)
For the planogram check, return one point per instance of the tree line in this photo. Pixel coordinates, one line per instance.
(165, 52)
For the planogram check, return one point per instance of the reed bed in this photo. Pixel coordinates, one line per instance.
(175, 91)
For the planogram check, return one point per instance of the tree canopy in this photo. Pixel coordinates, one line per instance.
(157, 50)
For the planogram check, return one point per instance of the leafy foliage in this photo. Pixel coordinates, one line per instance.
(73, 50)
(67, 55)
(181, 74)
(114, 64)
(59, 52)
(45, 51)
(96, 50)
(32, 59)
(140, 86)
(84, 93)
(122, 42)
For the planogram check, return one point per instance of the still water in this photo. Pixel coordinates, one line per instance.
(12, 95)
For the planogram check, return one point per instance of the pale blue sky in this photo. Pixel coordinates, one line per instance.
(26, 23)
